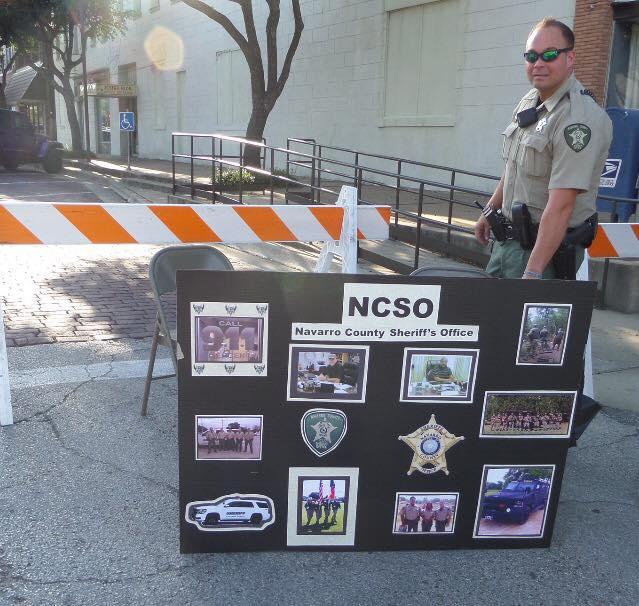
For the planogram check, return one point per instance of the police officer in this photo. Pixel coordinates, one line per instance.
(554, 150)
(442, 516)
(410, 515)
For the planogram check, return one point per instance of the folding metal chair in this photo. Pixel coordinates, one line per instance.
(162, 273)
(449, 271)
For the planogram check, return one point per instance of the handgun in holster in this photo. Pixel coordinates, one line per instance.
(524, 230)
(565, 259)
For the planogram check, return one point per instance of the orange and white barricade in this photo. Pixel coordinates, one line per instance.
(46, 223)
(612, 241)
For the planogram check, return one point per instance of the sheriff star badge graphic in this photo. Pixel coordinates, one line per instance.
(323, 430)
(430, 443)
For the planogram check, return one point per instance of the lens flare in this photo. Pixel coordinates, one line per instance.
(164, 48)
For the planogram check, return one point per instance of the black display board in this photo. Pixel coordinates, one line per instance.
(258, 471)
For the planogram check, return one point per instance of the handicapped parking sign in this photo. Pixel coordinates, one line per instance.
(127, 121)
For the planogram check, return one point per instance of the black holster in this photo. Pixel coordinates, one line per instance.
(564, 262)
(565, 259)
(523, 226)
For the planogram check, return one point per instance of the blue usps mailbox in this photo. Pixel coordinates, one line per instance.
(619, 175)
(127, 121)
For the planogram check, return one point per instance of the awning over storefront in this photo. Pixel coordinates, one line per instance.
(18, 84)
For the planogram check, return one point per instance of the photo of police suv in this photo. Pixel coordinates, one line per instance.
(232, 512)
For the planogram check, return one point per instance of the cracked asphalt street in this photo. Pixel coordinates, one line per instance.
(88, 491)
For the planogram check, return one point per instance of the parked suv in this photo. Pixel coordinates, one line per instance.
(20, 144)
(232, 510)
(516, 501)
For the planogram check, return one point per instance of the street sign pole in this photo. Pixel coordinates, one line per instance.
(6, 412)
(127, 124)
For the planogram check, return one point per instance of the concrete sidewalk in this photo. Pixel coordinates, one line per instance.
(88, 491)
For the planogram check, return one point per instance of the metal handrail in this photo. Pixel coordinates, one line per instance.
(396, 159)
(323, 167)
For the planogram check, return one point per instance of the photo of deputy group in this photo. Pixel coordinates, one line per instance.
(533, 414)
(544, 330)
(228, 339)
(228, 438)
(513, 501)
(425, 512)
(436, 375)
(325, 373)
(323, 506)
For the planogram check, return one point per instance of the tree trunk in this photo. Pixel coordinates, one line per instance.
(3, 99)
(255, 132)
(72, 116)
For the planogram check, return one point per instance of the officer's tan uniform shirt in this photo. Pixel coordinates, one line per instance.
(411, 512)
(565, 149)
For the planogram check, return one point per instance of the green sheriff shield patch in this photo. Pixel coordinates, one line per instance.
(323, 429)
(577, 136)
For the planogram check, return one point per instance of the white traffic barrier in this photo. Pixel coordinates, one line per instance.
(612, 241)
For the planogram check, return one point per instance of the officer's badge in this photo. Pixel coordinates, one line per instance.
(198, 368)
(430, 443)
(230, 368)
(323, 429)
(577, 136)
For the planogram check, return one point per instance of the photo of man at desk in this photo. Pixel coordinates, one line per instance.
(327, 373)
(434, 375)
(441, 373)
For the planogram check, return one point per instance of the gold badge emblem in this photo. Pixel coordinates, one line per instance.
(430, 443)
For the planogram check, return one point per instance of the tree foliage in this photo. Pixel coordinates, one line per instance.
(13, 41)
(527, 473)
(57, 32)
(552, 318)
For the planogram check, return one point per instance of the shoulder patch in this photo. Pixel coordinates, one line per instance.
(577, 136)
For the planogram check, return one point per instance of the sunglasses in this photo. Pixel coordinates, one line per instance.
(548, 55)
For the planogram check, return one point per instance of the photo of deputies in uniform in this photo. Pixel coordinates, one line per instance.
(513, 501)
(425, 512)
(439, 375)
(543, 335)
(539, 414)
(542, 214)
(323, 506)
(326, 373)
(228, 438)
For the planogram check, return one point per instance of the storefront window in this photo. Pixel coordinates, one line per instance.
(632, 77)
(103, 124)
(623, 79)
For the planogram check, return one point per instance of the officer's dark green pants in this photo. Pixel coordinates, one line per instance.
(508, 260)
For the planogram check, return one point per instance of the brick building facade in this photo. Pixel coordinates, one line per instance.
(593, 33)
